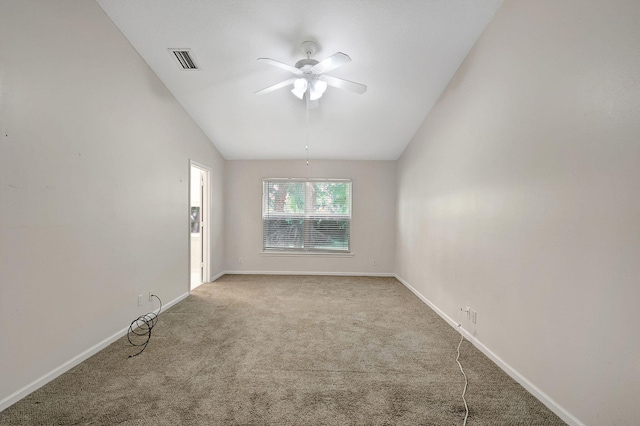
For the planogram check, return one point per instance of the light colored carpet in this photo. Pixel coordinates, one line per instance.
(287, 350)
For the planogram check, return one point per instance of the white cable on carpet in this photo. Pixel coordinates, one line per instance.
(466, 382)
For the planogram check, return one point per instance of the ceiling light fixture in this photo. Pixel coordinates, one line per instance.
(317, 89)
(312, 84)
(300, 87)
(309, 79)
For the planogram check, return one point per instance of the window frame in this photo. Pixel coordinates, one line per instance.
(307, 216)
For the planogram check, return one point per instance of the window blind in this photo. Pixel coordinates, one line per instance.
(306, 214)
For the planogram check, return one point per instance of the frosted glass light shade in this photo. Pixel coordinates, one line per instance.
(318, 88)
(299, 87)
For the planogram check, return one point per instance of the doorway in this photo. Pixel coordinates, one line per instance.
(199, 224)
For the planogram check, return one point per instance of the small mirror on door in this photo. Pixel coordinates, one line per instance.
(195, 220)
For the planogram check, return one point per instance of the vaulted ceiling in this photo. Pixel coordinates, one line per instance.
(405, 51)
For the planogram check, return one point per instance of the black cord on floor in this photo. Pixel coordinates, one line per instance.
(141, 327)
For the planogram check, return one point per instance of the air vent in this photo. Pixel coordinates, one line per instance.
(184, 58)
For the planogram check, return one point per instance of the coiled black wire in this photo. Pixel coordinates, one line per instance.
(141, 327)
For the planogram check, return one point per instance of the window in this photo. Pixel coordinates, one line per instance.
(308, 215)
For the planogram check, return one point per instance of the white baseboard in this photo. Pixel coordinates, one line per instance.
(217, 276)
(342, 274)
(58, 371)
(513, 373)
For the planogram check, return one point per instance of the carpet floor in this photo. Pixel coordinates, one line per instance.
(287, 350)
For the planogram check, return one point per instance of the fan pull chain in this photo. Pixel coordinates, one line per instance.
(306, 147)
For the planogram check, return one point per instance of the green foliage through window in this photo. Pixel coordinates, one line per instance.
(306, 215)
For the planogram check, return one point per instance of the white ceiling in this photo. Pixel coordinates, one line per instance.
(405, 51)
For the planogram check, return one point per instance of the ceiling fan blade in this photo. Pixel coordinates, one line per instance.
(282, 65)
(331, 63)
(344, 84)
(277, 86)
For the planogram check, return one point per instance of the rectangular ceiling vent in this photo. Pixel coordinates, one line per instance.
(184, 58)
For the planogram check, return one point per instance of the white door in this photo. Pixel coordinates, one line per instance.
(199, 225)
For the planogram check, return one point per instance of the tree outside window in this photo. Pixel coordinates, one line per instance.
(306, 215)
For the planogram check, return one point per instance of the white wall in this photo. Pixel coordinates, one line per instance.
(519, 197)
(94, 164)
(372, 227)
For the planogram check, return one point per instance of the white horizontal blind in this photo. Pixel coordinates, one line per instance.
(283, 214)
(306, 215)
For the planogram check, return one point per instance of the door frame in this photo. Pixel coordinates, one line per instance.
(206, 222)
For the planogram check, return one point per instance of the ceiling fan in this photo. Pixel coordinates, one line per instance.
(310, 81)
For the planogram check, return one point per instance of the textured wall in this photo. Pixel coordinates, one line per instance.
(94, 163)
(519, 197)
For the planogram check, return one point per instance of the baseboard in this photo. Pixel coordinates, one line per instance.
(58, 371)
(513, 373)
(217, 276)
(342, 274)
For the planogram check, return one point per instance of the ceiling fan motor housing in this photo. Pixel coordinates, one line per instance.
(305, 65)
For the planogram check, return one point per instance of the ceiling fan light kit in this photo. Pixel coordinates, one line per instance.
(299, 87)
(310, 82)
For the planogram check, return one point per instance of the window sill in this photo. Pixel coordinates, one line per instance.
(303, 253)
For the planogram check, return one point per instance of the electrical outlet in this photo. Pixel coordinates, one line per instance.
(150, 296)
(139, 300)
(375, 263)
(474, 317)
(240, 260)
(468, 311)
